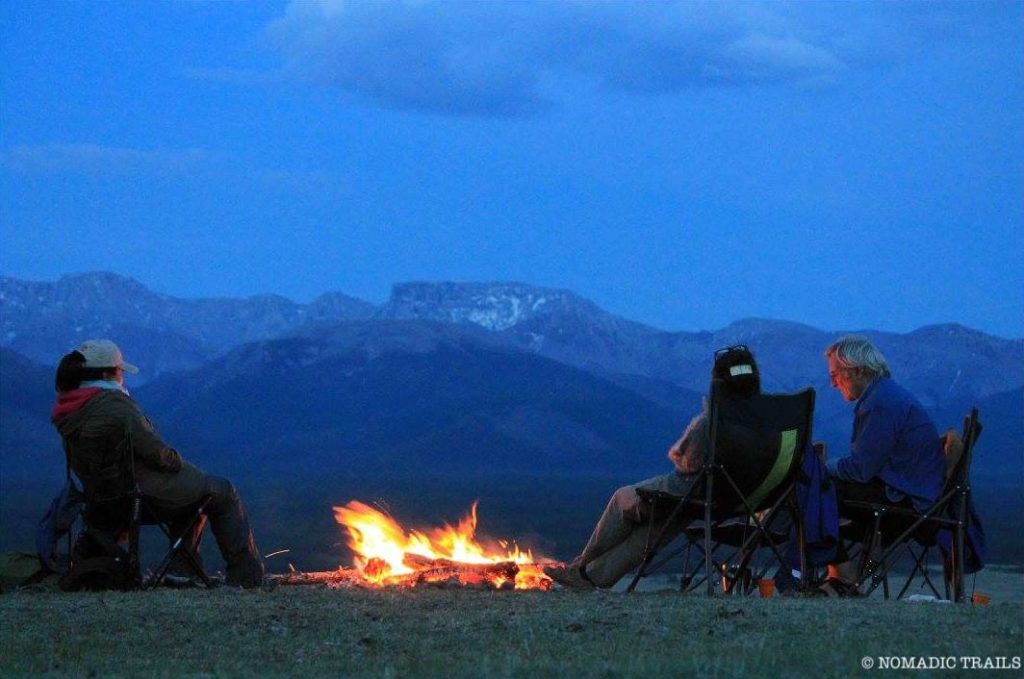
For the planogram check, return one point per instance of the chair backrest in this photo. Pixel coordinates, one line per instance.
(759, 442)
(108, 480)
(959, 474)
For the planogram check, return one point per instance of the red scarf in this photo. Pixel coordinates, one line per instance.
(71, 401)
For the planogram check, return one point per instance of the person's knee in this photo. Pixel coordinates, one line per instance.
(222, 492)
(218, 485)
(628, 503)
(624, 497)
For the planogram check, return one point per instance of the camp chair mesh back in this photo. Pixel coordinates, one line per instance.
(754, 452)
(109, 514)
(757, 443)
(114, 511)
(894, 530)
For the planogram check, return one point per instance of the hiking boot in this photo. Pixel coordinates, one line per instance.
(569, 577)
(248, 574)
(181, 566)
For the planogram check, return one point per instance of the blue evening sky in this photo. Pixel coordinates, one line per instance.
(683, 164)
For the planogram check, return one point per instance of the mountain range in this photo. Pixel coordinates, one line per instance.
(41, 320)
(443, 381)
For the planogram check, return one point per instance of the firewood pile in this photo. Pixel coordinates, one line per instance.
(426, 572)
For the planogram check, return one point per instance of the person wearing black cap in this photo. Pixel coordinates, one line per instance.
(95, 411)
(617, 543)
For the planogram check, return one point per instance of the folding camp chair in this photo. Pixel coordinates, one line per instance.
(754, 452)
(727, 537)
(897, 530)
(113, 513)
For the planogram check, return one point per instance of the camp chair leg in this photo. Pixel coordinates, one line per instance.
(920, 566)
(801, 538)
(650, 546)
(134, 563)
(693, 578)
(882, 570)
(179, 547)
(870, 565)
(708, 497)
(926, 576)
(655, 566)
(947, 576)
(762, 531)
(686, 577)
(885, 560)
(958, 558)
(185, 551)
(906, 586)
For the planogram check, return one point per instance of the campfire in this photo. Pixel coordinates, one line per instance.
(451, 556)
(388, 554)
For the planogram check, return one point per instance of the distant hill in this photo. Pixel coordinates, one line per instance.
(999, 457)
(410, 397)
(29, 446)
(43, 320)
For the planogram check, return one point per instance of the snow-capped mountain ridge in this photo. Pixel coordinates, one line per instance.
(494, 306)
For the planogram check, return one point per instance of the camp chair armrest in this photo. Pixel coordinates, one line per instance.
(886, 508)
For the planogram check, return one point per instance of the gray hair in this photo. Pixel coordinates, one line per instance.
(856, 351)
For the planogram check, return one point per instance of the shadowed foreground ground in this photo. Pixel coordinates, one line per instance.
(314, 631)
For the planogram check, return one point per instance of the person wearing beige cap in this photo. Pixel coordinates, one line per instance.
(104, 354)
(94, 413)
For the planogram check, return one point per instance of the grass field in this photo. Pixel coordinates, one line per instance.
(314, 631)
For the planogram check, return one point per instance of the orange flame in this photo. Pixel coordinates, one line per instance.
(388, 554)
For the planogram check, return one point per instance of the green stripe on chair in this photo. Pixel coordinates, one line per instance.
(783, 461)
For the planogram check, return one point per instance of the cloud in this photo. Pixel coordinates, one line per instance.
(96, 159)
(762, 58)
(466, 57)
(512, 58)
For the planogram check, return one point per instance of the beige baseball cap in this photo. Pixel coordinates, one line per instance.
(102, 353)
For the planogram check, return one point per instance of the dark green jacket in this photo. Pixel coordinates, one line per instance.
(95, 425)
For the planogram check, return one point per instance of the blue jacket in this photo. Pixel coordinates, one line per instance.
(895, 441)
(816, 497)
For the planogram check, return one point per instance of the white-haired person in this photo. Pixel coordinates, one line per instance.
(895, 454)
(93, 414)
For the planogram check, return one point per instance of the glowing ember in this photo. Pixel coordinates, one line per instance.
(387, 554)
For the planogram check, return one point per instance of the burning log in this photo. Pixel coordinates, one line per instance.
(432, 571)
(423, 563)
(340, 576)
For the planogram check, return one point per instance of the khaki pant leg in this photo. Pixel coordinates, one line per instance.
(617, 543)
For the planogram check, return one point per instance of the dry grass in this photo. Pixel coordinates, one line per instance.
(313, 631)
